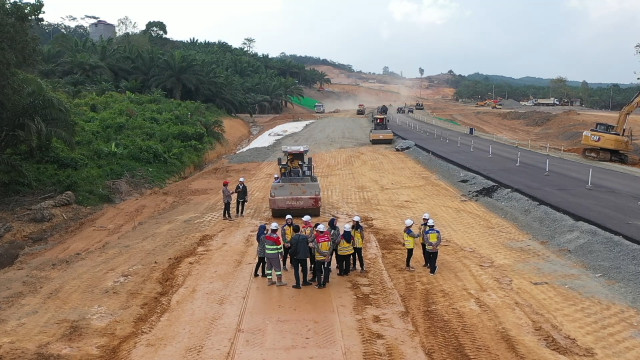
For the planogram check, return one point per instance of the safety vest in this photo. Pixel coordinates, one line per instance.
(307, 229)
(273, 244)
(287, 232)
(324, 244)
(423, 230)
(409, 239)
(358, 238)
(432, 237)
(344, 248)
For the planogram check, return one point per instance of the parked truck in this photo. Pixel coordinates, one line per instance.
(319, 108)
(546, 102)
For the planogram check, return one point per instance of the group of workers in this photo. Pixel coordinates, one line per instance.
(310, 249)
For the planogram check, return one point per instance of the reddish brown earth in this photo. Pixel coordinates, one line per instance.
(162, 276)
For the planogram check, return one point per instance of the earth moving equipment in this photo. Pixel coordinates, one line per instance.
(319, 107)
(419, 106)
(608, 142)
(361, 110)
(382, 110)
(380, 133)
(298, 192)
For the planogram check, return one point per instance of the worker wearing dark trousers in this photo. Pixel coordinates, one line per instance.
(322, 244)
(262, 262)
(423, 243)
(242, 197)
(308, 229)
(299, 252)
(345, 249)
(409, 240)
(358, 244)
(433, 239)
(286, 234)
(335, 239)
(226, 199)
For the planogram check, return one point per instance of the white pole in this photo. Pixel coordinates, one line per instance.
(471, 145)
(547, 171)
(589, 184)
(435, 133)
(447, 137)
(562, 150)
(458, 141)
(547, 148)
(518, 162)
(489, 150)
(516, 143)
(529, 143)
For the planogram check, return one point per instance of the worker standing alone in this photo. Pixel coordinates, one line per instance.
(409, 239)
(287, 234)
(273, 252)
(358, 243)
(433, 239)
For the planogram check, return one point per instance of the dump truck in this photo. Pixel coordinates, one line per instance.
(608, 142)
(298, 193)
(546, 102)
(319, 107)
(380, 133)
(361, 109)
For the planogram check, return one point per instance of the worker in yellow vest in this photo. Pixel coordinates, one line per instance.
(345, 249)
(358, 243)
(423, 242)
(324, 248)
(287, 234)
(409, 240)
(433, 239)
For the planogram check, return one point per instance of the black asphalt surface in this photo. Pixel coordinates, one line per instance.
(612, 203)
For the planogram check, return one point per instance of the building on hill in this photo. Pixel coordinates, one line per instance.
(101, 29)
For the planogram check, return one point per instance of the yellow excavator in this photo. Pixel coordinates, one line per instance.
(608, 142)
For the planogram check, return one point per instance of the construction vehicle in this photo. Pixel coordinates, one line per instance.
(608, 142)
(361, 109)
(382, 110)
(419, 106)
(298, 192)
(319, 107)
(380, 133)
(546, 102)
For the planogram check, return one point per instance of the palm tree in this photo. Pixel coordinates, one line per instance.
(177, 72)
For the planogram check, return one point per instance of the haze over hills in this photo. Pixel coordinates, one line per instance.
(530, 80)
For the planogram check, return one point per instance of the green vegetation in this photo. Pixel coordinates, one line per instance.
(77, 114)
(475, 87)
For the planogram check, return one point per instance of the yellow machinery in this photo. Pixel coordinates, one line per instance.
(608, 142)
(380, 133)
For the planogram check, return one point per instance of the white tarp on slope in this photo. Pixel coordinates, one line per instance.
(277, 133)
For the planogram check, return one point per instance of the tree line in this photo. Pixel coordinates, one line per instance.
(76, 114)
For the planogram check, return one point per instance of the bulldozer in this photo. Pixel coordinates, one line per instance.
(298, 192)
(380, 133)
(607, 142)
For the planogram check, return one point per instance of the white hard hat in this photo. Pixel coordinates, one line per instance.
(431, 222)
(274, 226)
(242, 179)
(425, 216)
(321, 228)
(276, 175)
(347, 227)
(288, 217)
(408, 222)
(356, 218)
(306, 218)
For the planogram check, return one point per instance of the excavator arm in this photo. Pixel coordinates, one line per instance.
(625, 112)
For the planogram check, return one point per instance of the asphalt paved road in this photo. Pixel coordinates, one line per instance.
(612, 203)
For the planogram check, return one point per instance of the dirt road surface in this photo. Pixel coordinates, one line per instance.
(162, 276)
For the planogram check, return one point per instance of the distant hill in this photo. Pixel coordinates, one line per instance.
(536, 81)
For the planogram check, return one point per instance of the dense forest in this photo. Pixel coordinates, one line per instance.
(77, 114)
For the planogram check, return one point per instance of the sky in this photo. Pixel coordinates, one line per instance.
(590, 40)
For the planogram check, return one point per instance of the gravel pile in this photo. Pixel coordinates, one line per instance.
(510, 104)
(609, 259)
